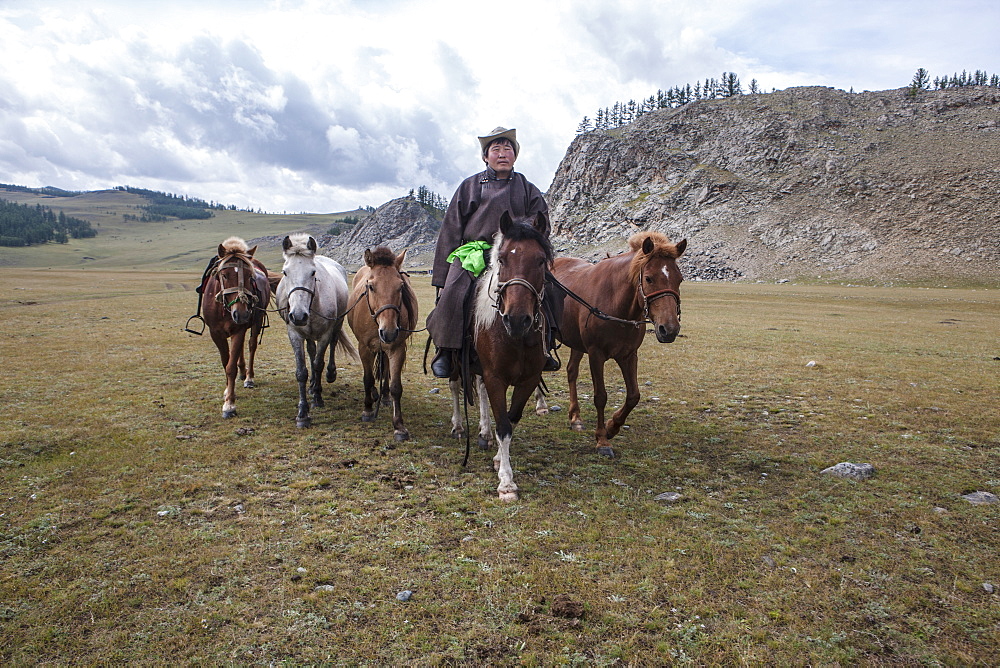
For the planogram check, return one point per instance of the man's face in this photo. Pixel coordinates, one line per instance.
(500, 157)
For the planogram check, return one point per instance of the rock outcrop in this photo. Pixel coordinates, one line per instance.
(400, 223)
(801, 182)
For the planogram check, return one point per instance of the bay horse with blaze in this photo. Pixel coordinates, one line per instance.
(509, 329)
(239, 288)
(622, 294)
(382, 315)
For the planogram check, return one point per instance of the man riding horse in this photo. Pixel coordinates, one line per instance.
(470, 224)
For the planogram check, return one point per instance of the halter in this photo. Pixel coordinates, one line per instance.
(502, 288)
(653, 296)
(376, 313)
(248, 297)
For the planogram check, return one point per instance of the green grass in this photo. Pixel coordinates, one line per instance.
(138, 526)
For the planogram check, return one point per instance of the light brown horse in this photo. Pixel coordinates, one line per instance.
(382, 316)
(238, 288)
(621, 294)
(508, 329)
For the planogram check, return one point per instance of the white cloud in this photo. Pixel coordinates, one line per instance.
(322, 106)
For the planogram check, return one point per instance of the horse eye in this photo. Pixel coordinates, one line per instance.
(649, 279)
(313, 273)
(284, 273)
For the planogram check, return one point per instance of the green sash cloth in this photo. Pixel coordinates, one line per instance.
(471, 256)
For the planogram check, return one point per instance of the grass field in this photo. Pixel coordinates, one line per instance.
(138, 526)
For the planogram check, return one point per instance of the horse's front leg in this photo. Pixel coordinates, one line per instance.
(600, 401)
(457, 426)
(630, 373)
(232, 368)
(497, 391)
(572, 373)
(395, 371)
(302, 418)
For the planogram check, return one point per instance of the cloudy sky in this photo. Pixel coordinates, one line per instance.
(320, 106)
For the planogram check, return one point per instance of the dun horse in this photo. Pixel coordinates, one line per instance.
(625, 292)
(383, 313)
(239, 289)
(312, 300)
(508, 326)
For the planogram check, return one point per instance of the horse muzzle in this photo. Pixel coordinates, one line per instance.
(240, 316)
(298, 318)
(517, 326)
(387, 336)
(667, 334)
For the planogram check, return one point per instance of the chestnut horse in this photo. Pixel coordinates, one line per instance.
(508, 326)
(616, 298)
(383, 329)
(239, 289)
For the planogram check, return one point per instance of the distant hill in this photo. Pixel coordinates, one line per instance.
(801, 182)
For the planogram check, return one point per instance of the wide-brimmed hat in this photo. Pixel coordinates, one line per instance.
(501, 132)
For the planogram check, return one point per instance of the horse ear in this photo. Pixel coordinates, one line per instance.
(222, 251)
(399, 261)
(368, 256)
(648, 245)
(505, 222)
(542, 223)
(312, 244)
(681, 245)
(286, 243)
(252, 251)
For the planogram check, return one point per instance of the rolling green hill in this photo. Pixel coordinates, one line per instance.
(182, 245)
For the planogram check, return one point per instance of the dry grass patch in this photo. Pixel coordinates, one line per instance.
(139, 526)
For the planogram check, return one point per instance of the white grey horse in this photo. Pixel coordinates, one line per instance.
(312, 300)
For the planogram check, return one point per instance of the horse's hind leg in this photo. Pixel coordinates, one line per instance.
(572, 373)
(485, 431)
(317, 353)
(368, 413)
(457, 426)
(630, 372)
(252, 353)
(541, 406)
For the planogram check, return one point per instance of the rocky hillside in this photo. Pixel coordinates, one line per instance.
(802, 182)
(400, 223)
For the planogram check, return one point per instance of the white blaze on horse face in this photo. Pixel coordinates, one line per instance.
(665, 272)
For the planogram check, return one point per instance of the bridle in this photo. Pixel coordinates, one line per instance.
(501, 288)
(653, 296)
(241, 292)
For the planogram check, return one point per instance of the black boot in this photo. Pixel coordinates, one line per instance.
(441, 364)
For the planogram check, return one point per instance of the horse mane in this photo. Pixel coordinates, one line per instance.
(235, 246)
(299, 245)
(662, 247)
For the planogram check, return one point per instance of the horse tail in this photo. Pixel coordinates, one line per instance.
(346, 346)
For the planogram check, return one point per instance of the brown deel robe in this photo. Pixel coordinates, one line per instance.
(473, 215)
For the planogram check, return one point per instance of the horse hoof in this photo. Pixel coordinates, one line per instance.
(508, 497)
(483, 443)
(606, 451)
(331, 376)
(303, 422)
(542, 411)
(401, 436)
(457, 433)
(318, 403)
(367, 417)
(228, 414)
(249, 384)
(576, 426)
